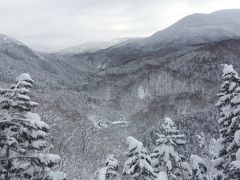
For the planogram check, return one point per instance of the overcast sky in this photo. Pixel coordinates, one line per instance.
(55, 24)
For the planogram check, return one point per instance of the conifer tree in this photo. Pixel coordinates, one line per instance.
(199, 167)
(22, 136)
(166, 158)
(229, 108)
(138, 165)
(110, 171)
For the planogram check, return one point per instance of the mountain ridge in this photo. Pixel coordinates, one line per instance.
(200, 28)
(91, 46)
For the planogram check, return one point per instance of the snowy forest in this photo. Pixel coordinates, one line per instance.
(119, 90)
(25, 152)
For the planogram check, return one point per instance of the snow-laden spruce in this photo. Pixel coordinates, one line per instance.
(199, 167)
(138, 163)
(110, 171)
(229, 107)
(22, 136)
(166, 158)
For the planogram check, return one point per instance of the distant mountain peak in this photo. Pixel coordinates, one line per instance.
(200, 28)
(91, 46)
(4, 39)
(227, 11)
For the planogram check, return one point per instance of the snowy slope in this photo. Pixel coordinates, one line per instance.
(200, 28)
(15, 47)
(16, 58)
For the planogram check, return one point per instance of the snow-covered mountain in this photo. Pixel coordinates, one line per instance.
(7, 40)
(200, 28)
(11, 45)
(90, 47)
(16, 58)
(127, 89)
(192, 30)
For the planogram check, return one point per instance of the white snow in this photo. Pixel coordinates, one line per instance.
(201, 139)
(34, 133)
(234, 166)
(49, 158)
(24, 97)
(227, 69)
(119, 122)
(101, 66)
(169, 165)
(56, 175)
(35, 120)
(196, 161)
(162, 175)
(169, 125)
(38, 143)
(219, 145)
(111, 161)
(110, 169)
(167, 152)
(238, 155)
(141, 92)
(94, 120)
(218, 161)
(24, 77)
(237, 137)
(132, 142)
(232, 86)
(236, 99)
(138, 159)
(169, 122)
(102, 173)
(100, 122)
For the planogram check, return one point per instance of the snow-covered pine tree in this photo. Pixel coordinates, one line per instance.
(166, 158)
(229, 108)
(22, 136)
(110, 171)
(199, 167)
(138, 165)
(201, 140)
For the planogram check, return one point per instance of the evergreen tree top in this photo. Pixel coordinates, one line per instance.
(171, 135)
(134, 146)
(231, 78)
(111, 161)
(138, 165)
(229, 73)
(169, 126)
(17, 96)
